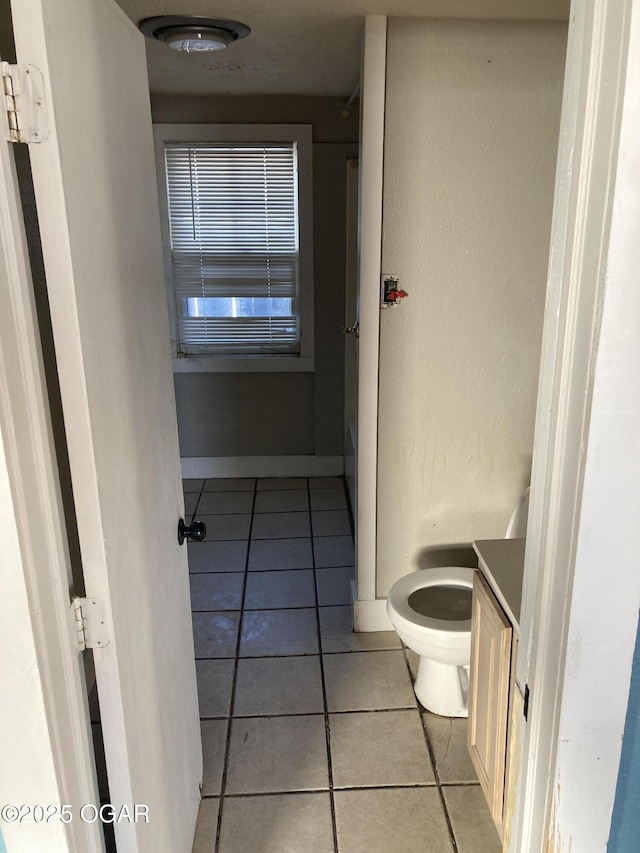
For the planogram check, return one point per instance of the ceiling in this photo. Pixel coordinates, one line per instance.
(298, 47)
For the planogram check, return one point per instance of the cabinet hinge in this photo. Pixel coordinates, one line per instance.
(90, 624)
(25, 104)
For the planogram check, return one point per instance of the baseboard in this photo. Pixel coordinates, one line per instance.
(371, 615)
(262, 466)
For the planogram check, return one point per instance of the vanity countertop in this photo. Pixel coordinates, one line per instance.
(502, 563)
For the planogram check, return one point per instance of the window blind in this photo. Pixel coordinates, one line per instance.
(233, 216)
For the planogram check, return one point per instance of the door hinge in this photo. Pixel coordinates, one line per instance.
(25, 104)
(525, 707)
(90, 623)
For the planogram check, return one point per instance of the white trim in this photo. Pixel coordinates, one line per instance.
(372, 106)
(302, 134)
(574, 627)
(371, 615)
(262, 466)
(45, 741)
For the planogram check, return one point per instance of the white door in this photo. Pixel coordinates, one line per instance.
(95, 187)
(45, 737)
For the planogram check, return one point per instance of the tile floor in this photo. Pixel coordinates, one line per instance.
(312, 737)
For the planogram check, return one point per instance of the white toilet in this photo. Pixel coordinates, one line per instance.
(431, 612)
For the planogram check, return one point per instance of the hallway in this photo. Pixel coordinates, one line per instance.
(312, 737)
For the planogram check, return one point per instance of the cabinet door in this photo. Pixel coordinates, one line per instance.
(489, 694)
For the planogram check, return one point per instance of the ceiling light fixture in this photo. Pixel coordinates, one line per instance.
(193, 35)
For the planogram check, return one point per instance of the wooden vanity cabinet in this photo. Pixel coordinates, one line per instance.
(489, 694)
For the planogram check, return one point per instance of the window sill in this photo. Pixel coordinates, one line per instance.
(242, 364)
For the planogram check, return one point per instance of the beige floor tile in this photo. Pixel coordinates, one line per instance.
(216, 591)
(226, 526)
(278, 686)
(326, 483)
(214, 741)
(267, 633)
(225, 503)
(241, 484)
(277, 754)
(281, 823)
(218, 556)
(215, 635)
(379, 748)
(271, 483)
(337, 635)
(448, 738)
(391, 820)
(328, 499)
(331, 522)
(293, 588)
(192, 485)
(333, 551)
(334, 585)
(282, 500)
(270, 554)
(362, 681)
(207, 826)
(473, 827)
(281, 525)
(215, 681)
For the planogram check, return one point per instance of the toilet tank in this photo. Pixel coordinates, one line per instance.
(517, 527)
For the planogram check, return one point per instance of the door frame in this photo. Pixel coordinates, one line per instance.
(45, 734)
(583, 490)
(368, 611)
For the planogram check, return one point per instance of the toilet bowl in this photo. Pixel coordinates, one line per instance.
(431, 612)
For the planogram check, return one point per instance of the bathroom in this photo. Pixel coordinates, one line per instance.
(446, 410)
(477, 410)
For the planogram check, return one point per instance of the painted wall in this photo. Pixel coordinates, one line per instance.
(472, 117)
(300, 413)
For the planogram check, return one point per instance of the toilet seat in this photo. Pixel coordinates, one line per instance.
(400, 592)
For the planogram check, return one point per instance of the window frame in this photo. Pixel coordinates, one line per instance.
(301, 134)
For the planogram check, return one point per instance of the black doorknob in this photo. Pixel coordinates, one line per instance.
(195, 532)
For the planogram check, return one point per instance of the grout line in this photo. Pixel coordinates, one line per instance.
(272, 609)
(327, 725)
(274, 511)
(300, 655)
(225, 767)
(259, 571)
(248, 794)
(317, 714)
(349, 507)
(206, 515)
(434, 765)
(195, 509)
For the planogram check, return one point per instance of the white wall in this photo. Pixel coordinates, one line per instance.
(472, 120)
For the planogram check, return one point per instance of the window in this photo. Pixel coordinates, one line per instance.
(237, 203)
